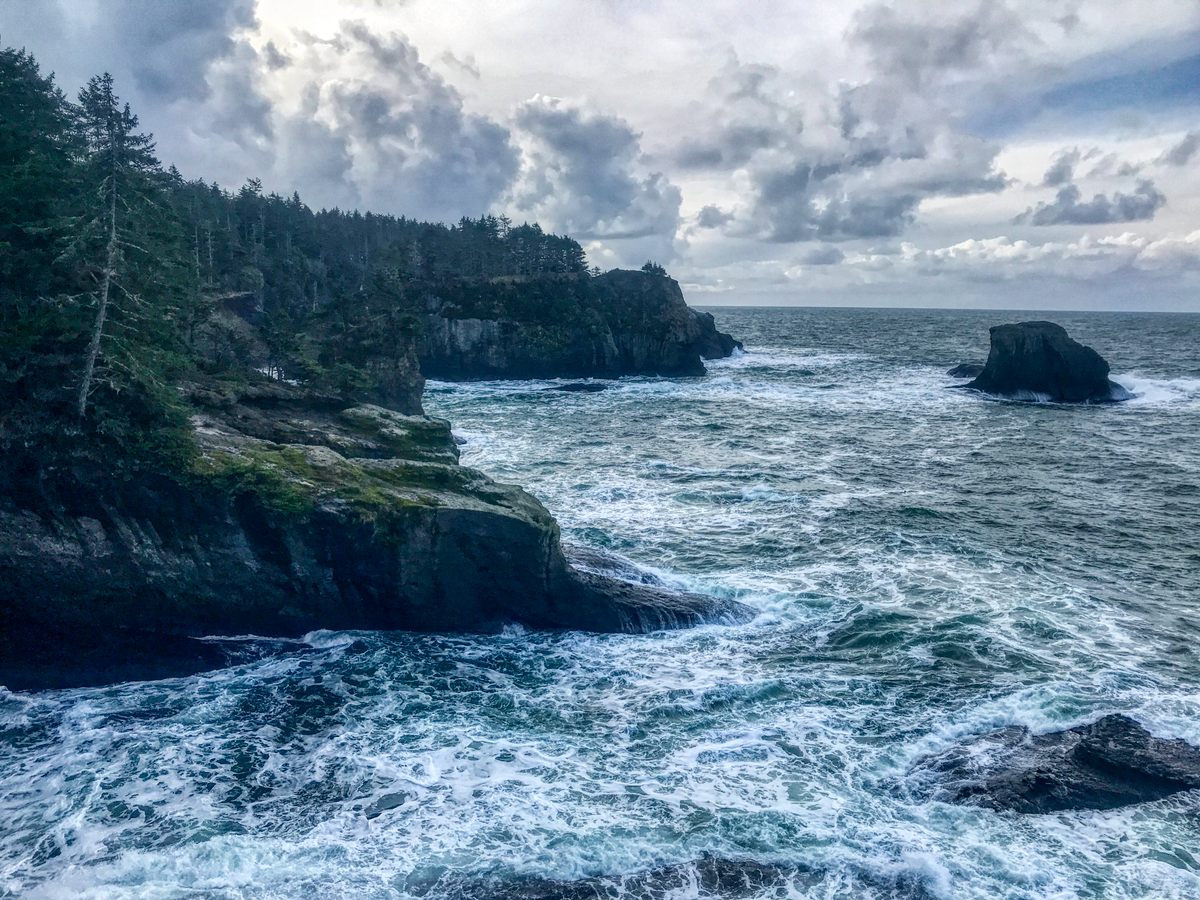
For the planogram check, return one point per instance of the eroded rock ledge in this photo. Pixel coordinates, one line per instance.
(303, 512)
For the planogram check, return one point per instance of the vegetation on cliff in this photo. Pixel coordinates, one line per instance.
(119, 279)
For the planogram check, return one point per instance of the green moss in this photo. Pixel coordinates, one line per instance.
(237, 475)
(412, 438)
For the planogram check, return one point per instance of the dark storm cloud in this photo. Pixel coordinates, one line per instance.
(170, 45)
(1181, 154)
(586, 175)
(1068, 207)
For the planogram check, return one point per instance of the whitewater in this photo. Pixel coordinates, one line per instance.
(925, 566)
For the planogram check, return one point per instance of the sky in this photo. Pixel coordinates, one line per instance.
(1017, 154)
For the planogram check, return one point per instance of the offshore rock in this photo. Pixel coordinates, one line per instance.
(303, 512)
(1040, 361)
(565, 326)
(1110, 763)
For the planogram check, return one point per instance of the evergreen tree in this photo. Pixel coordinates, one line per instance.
(36, 173)
(128, 243)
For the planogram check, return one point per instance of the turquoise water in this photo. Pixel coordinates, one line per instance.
(926, 565)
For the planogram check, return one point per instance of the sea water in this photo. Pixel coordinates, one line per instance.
(926, 565)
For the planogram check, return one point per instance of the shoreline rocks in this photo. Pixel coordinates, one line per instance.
(302, 513)
(1039, 361)
(1110, 763)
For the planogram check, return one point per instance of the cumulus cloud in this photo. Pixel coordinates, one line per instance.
(1068, 207)
(169, 54)
(357, 119)
(855, 160)
(584, 173)
(821, 256)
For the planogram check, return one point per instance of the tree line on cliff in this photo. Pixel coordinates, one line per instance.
(114, 271)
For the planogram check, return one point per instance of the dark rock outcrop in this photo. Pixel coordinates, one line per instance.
(303, 512)
(1040, 361)
(966, 370)
(618, 323)
(1110, 763)
(714, 344)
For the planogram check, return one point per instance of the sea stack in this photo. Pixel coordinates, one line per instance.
(1039, 361)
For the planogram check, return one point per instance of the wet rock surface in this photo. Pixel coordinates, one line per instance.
(1109, 763)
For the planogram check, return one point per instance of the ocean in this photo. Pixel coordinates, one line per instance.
(926, 566)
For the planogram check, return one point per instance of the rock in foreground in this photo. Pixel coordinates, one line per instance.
(1110, 763)
(1039, 361)
(303, 512)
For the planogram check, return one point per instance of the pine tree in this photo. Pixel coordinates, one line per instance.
(130, 244)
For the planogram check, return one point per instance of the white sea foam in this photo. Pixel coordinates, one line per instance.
(927, 568)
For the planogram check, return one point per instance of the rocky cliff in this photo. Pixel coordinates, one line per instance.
(303, 511)
(619, 323)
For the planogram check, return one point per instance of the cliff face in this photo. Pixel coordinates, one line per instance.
(619, 323)
(303, 512)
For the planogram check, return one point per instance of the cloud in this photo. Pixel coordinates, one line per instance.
(584, 173)
(821, 256)
(929, 42)
(1087, 258)
(1069, 209)
(713, 217)
(358, 120)
(169, 53)
(1062, 168)
(855, 160)
(1181, 154)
